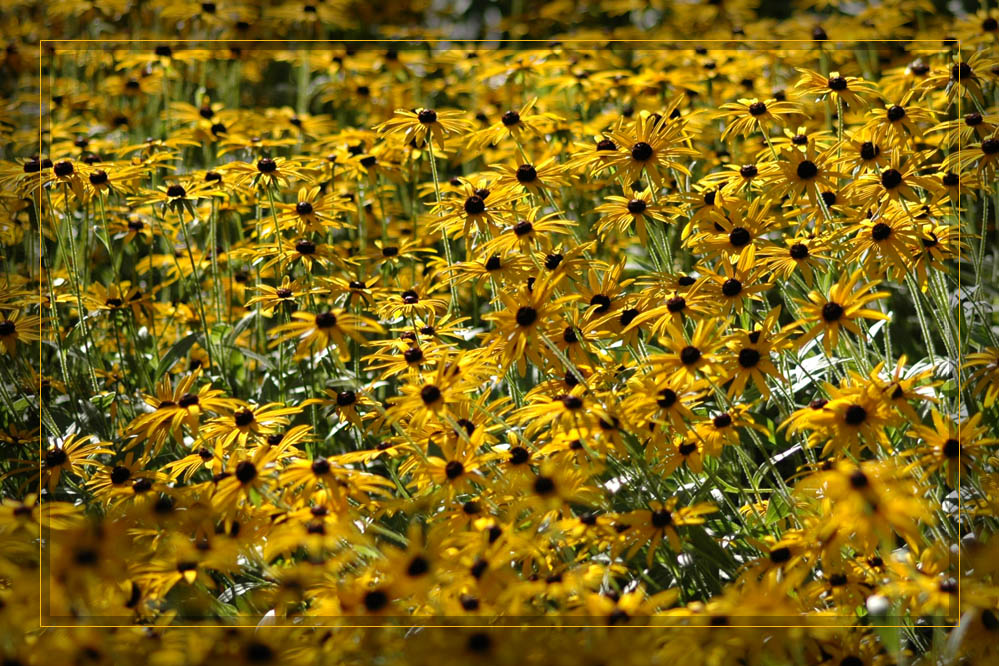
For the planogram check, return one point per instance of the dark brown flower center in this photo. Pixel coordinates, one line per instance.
(869, 151)
(474, 205)
(961, 72)
(891, 179)
(807, 170)
(418, 566)
(642, 152)
(120, 475)
(375, 600)
(55, 457)
(690, 355)
(544, 485)
(521, 229)
(430, 394)
(723, 420)
(832, 311)
(510, 118)
(325, 320)
(662, 518)
(880, 231)
(780, 555)
(637, 206)
(855, 415)
(676, 304)
(739, 237)
(320, 466)
(188, 400)
(602, 302)
(748, 357)
(519, 455)
(526, 174)
(246, 471)
(667, 398)
(526, 316)
(243, 417)
(731, 287)
(453, 469)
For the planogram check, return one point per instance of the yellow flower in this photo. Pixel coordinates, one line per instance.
(827, 315)
(417, 125)
(323, 330)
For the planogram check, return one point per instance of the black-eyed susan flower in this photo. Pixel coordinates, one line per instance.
(948, 446)
(854, 91)
(659, 523)
(520, 325)
(71, 457)
(827, 315)
(746, 116)
(319, 331)
(652, 146)
(17, 329)
(421, 123)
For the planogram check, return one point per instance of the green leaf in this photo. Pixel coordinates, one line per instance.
(240, 326)
(174, 354)
(102, 399)
(777, 508)
(706, 546)
(262, 360)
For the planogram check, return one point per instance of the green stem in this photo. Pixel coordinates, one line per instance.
(447, 243)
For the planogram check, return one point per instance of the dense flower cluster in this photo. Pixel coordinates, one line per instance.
(594, 333)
